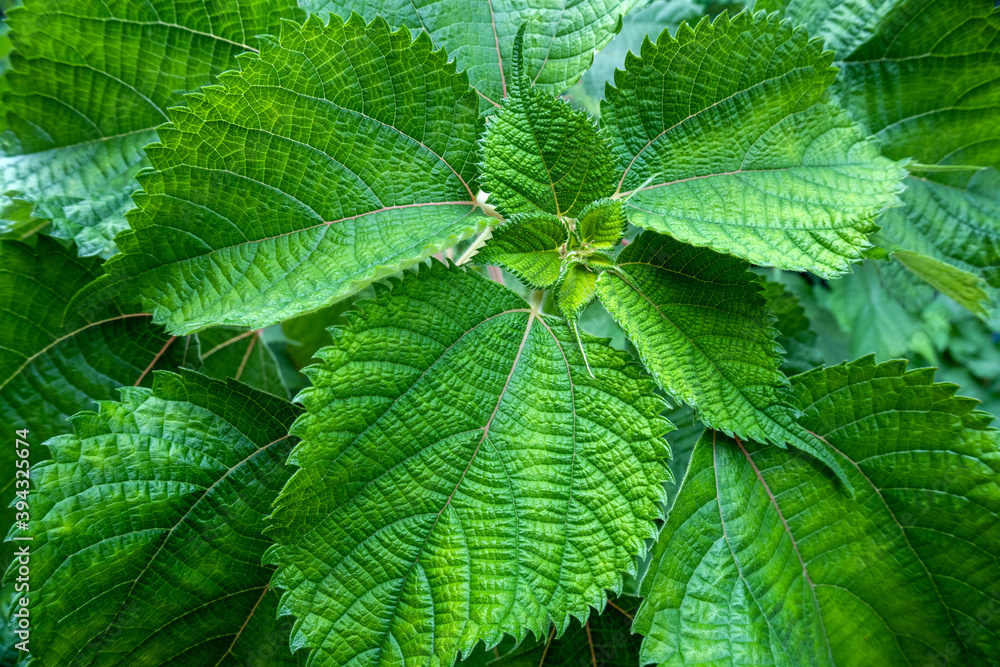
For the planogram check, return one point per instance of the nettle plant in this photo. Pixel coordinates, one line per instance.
(469, 473)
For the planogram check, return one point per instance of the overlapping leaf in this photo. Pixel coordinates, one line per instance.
(795, 334)
(606, 640)
(701, 326)
(726, 142)
(461, 476)
(764, 560)
(338, 155)
(170, 487)
(541, 155)
(532, 247)
(918, 69)
(91, 80)
(562, 35)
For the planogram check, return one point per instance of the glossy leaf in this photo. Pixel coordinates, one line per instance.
(90, 82)
(457, 453)
(172, 486)
(764, 560)
(702, 329)
(364, 163)
(726, 142)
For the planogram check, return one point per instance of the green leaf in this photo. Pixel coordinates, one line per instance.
(962, 286)
(702, 329)
(461, 476)
(918, 69)
(242, 355)
(602, 224)
(362, 164)
(90, 82)
(171, 486)
(539, 154)
(605, 640)
(576, 291)
(959, 225)
(726, 143)
(562, 36)
(764, 561)
(795, 334)
(50, 369)
(531, 246)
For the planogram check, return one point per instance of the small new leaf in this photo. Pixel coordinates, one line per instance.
(702, 329)
(461, 476)
(602, 224)
(531, 246)
(539, 154)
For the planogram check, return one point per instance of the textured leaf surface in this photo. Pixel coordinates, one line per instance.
(91, 80)
(562, 35)
(763, 560)
(336, 156)
(242, 355)
(606, 640)
(924, 77)
(457, 453)
(171, 486)
(531, 247)
(602, 224)
(702, 329)
(726, 143)
(540, 154)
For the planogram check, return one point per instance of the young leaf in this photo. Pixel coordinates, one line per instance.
(602, 224)
(726, 143)
(90, 82)
(461, 476)
(562, 36)
(540, 154)
(146, 528)
(531, 246)
(702, 329)
(336, 156)
(788, 570)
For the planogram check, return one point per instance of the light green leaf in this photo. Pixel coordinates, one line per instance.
(602, 224)
(764, 560)
(90, 82)
(962, 286)
(606, 639)
(922, 76)
(338, 155)
(531, 246)
(562, 35)
(540, 154)
(171, 487)
(726, 142)
(457, 453)
(576, 291)
(702, 329)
